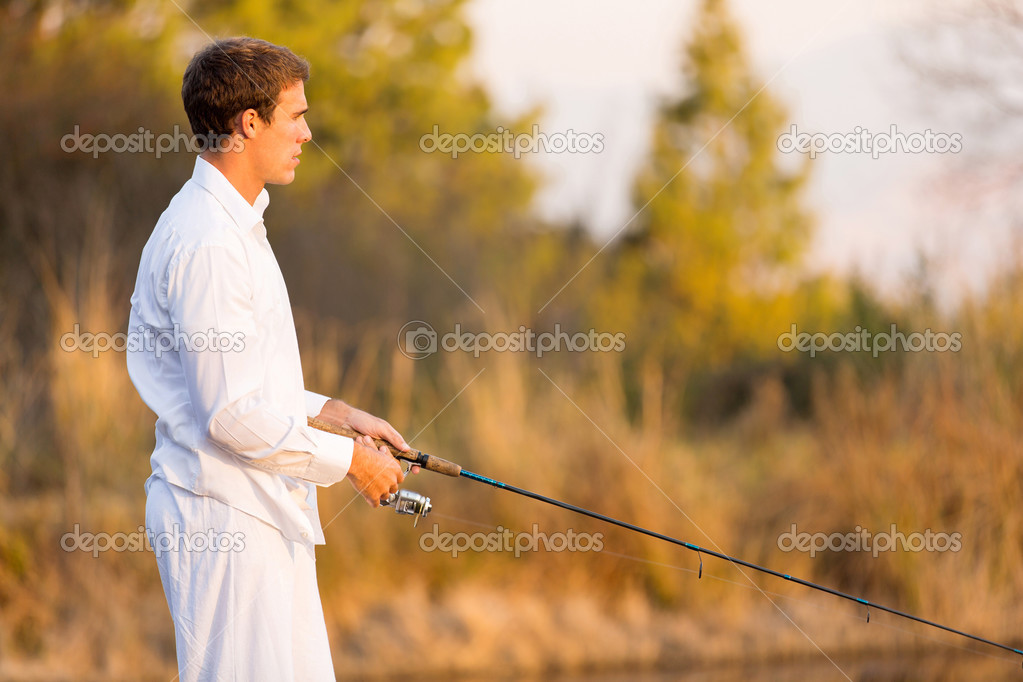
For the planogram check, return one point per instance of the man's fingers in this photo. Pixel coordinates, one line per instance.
(400, 477)
(363, 422)
(391, 435)
(385, 474)
(398, 441)
(375, 477)
(397, 467)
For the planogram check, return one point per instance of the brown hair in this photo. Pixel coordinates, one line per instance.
(229, 76)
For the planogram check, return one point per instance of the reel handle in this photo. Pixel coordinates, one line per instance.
(441, 466)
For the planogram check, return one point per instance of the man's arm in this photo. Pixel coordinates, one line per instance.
(208, 290)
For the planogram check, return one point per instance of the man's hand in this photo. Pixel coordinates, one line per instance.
(374, 473)
(340, 412)
(372, 470)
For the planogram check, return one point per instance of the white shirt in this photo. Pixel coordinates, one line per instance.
(229, 397)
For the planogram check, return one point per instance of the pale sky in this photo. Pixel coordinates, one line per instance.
(603, 65)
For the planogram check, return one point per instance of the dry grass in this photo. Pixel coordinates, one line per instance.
(933, 443)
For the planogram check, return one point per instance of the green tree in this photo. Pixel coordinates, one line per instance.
(704, 274)
(395, 229)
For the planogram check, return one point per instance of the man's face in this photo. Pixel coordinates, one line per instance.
(277, 146)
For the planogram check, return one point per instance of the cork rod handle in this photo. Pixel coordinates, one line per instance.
(441, 466)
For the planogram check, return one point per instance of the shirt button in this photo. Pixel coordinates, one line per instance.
(305, 535)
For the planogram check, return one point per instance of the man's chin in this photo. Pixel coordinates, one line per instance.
(283, 178)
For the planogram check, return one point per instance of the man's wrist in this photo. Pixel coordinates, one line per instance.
(335, 411)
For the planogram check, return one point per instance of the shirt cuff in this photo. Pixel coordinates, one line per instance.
(332, 460)
(314, 403)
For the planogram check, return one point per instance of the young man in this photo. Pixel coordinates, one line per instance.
(231, 504)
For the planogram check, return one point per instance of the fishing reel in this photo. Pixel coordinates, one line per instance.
(410, 503)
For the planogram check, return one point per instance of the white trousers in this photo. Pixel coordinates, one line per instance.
(242, 596)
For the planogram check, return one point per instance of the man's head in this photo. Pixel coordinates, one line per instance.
(253, 90)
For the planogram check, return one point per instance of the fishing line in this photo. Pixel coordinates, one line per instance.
(816, 605)
(449, 468)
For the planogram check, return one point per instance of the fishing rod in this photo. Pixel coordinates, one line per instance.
(408, 502)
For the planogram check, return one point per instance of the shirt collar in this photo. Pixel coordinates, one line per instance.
(245, 216)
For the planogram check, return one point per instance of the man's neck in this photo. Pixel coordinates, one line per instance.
(248, 185)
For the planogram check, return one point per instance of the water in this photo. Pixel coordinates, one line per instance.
(937, 668)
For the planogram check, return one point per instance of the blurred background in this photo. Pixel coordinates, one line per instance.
(694, 231)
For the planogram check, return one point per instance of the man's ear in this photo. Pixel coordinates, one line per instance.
(247, 123)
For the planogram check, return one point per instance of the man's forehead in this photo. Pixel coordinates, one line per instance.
(292, 98)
